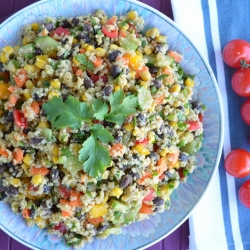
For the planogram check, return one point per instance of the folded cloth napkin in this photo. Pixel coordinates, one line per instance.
(219, 221)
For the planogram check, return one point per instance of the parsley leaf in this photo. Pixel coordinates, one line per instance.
(71, 113)
(120, 108)
(81, 58)
(96, 157)
(161, 77)
(65, 152)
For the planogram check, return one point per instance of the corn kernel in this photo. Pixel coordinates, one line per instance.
(154, 32)
(55, 159)
(3, 58)
(27, 95)
(106, 197)
(132, 15)
(25, 41)
(175, 88)
(135, 62)
(75, 41)
(117, 192)
(41, 61)
(189, 82)
(132, 74)
(90, 48)
(125, 26)
(84, 98)
(163, 152)
(15, 182)
(43, 125)
(173, 124)
(113, 46)
(27, 159)
(98, 210)
(117, 87)
(128, 126)
(151, 136)
(141, 149)
(52, 93)
(37, 179)
(152, 108)
(145, 76)
(75, 148)
(29, 84)
(55, 150)
(177, 164)
(30, 68)
(38, 219)
(25, 167)
(75, 62)
(161, 39)
(100, 52)
(56, 84)
(84, 45)
(35, 26)
(148, 50)
(8, 50)
(144, 84)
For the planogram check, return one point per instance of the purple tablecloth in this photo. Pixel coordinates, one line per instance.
(178, 240)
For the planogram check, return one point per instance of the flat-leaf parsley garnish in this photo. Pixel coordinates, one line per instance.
(120, 108)
(96, 157)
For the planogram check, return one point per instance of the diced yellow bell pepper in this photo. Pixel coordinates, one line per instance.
(27, 159)
(98, 210)
(117, 192)
(135, 62)
(41, 61)
(129, 126)
(141, 149)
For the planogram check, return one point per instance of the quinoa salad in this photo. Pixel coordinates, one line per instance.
(97, 124)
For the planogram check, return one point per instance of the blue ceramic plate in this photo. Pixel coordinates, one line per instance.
(185, 198)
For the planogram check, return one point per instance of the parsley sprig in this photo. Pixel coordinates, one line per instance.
(72, 113)
(85, 63)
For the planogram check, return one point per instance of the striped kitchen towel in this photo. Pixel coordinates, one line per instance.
(219, 221)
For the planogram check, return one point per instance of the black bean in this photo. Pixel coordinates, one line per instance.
(84, 37)
(154, 156)
(157, 209)
(112, 55)
(183, 156)
(107, 90)
(88, 83)
(134, 156)
(2, 187)
(54, 173)
(118, 138)
(36, 97)
(32, 212)
(46, 189)
(196, 105)
(157, 201)
(108, 124)
(153, 69)
(26, 130)
(75, 21)
(38, 203)
(101, 228)
(157, 83)
(61, 174)
(181, 108)
(88, 27)
(12, 190)
(141, 119)
(159, 48)
(2, 67)
(66, 24)
(125, 181)
(8, 117)
(64, 40)
(49, 26)
(134, 176)
(54, 209)
(38, 51)
(115, 70)
(36, 140)
(2, 196)
(65, 97)
(65, 55)
(3, 168)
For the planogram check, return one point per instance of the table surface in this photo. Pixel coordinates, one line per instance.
(178, 240)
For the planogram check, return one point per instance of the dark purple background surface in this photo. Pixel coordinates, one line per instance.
(178, 240)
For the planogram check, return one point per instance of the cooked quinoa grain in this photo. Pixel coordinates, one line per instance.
(97, 126)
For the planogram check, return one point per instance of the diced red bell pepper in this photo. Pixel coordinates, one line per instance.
(19, 119)
(150, 195)
(60, 30)
(194, 125)
(61, 228)
(110, 33)
(142, 142)
(64, 192)
(95, 78)
(200, 117)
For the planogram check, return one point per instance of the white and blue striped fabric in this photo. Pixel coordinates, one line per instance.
(219, 221)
